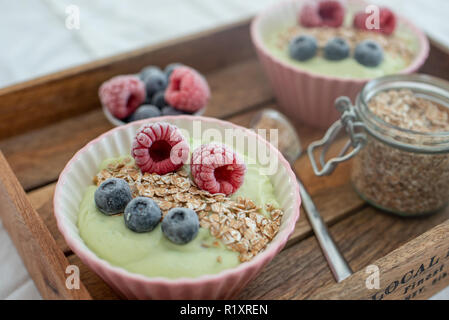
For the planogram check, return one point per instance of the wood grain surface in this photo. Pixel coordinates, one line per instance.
(421, 268)
(363, 238)
(43, 259)
(70, 116)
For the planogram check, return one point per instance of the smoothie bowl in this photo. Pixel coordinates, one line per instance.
(315, 51)
(190, 228)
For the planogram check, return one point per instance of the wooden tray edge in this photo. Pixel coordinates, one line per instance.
(416, 270)
(44, 261)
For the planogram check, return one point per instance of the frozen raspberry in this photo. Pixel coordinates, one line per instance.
(309, 17)
(360, 20)
(215, 168)
(122, 95)
(327, 13)
(387, 21)
(159, 148)
(187, 90)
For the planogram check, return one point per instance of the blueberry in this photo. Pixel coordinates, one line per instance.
(170, 111)
(172, 66)
(180, 225)
(112, 196)
(303, 48)
(154, 79)
(158, 99)
(142, 214)
(148, 70)
(336, 49)
(369, 53)
(144, 112)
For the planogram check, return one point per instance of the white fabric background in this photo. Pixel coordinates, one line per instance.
(35, 42)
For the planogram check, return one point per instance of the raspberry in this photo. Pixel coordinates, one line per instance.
(328, 13)
(387, 21)
(122, 95)
(159, 148)
(215, 168)
(360, 20)
(309, 17)
(187, 90)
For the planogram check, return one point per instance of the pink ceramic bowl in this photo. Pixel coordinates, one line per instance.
(309, 97)
(78, 173)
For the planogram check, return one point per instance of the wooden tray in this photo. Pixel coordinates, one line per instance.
(43, 122)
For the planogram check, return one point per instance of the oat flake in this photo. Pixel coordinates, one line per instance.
(239, 223)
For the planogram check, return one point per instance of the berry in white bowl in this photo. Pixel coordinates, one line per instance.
(177, 90)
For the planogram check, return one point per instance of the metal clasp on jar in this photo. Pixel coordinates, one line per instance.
(357, 138)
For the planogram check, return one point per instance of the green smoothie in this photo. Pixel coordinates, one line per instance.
(402, 39)
(151, 253)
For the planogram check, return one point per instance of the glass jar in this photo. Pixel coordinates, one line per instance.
(394, 169)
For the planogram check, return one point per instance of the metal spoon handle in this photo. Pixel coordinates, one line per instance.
(337, 263)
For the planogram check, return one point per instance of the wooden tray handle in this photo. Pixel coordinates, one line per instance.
(416, 270)
(45, 262)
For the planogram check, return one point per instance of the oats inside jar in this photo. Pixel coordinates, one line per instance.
(397, 180)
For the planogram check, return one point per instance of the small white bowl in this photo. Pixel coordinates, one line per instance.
(117, 122)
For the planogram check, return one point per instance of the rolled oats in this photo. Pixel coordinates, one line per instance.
(405, 110)
(239, 224)
(398, 180)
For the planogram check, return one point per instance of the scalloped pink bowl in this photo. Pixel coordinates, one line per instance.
(305, 96)
(78, 173)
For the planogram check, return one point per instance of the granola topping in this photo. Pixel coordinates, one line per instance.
(239, 223)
